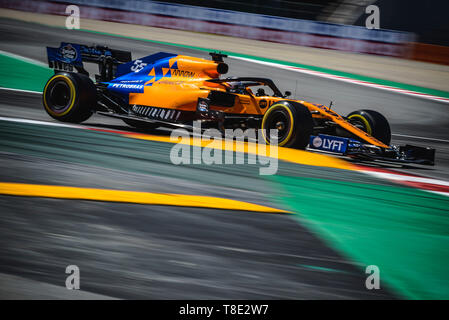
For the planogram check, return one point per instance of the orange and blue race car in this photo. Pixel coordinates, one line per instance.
(170, 90)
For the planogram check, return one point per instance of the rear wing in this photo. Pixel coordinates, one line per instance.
(71, 55)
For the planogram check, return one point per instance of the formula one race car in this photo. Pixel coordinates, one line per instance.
(173, 90)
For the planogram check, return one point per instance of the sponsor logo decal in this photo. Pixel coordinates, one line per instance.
(183, 73)
(127, 86)
(138, 65)
(329, 143)
(317, 142)
(68, 52)
(132, 81)
(263, 104)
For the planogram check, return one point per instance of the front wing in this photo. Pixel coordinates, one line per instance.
(356, 149)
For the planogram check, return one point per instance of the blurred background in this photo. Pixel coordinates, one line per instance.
(427, 20)
(409, 29)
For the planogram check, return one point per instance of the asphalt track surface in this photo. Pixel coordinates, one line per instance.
(156, 252)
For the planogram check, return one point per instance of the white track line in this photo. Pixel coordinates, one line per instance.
(426, 184)
(20, 90)
(438, 192)
(400, 177)
(16, 56)
(345, 79)
(417, 137)
(45, 123)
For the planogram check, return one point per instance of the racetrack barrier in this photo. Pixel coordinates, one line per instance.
(231, 23)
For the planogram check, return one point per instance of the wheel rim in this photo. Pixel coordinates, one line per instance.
(60, 96)
(280, 120)
(360, 122)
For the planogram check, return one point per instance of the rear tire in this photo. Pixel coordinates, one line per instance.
(69, 97)
(293, 121)
(373, 123)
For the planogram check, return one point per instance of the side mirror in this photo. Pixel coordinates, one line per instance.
(287, 94)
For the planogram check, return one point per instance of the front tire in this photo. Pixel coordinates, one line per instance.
(292, 120)
(373, 123)
(69, 97)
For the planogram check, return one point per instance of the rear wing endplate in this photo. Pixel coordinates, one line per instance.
(70, 55)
